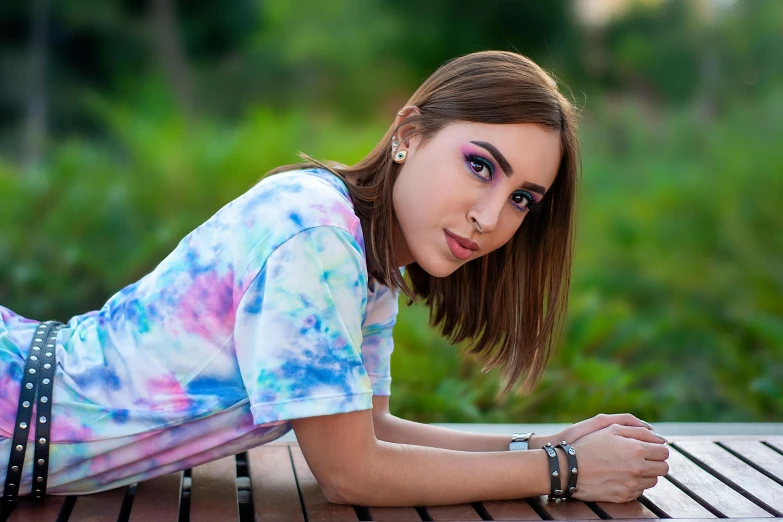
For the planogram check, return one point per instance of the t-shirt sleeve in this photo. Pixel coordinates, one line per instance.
(298, 333)
(377, 341)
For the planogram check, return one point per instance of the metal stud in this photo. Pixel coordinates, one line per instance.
(46, 381)
(14, 468)
(33, 358)
(563, 442)
(31, 371)
(555, 473)
(572, 489)
(42, 440)
(38, 340)
(48, 354)
(574, 471)
(19, 447)
(41, 462)
(50, 346)
(39, 479)
(29, 386)
(26, 404)
(44, 399)
(558, 492)
(47, 366)
(42, 420)
(10, 486)
(36, 348)
(572, 451)
(548, 444)
(23, 425)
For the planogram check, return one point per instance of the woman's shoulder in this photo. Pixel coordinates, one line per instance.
(306, 198)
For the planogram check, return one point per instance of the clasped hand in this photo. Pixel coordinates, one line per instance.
(619, 456)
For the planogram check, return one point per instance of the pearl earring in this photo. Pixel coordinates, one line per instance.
(400, 156)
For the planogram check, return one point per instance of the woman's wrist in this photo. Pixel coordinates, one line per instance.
(538, 441)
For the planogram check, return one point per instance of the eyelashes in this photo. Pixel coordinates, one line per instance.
(475, 162)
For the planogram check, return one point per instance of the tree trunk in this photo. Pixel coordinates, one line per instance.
(171, 53)
(35, 120)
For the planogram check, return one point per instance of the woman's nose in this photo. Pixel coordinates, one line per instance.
(485, 214)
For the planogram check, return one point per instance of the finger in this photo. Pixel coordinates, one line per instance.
(626, 419)
(643, 434)
(648, 483)
(655, 469)
(655, 451)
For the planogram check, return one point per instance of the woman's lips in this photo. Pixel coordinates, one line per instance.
(461, 247)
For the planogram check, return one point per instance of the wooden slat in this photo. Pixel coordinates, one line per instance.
(29, 511)
(275, 497)
(213, 492)
(157, 499)
(568, 510)
(709, 488)
(391, 514)
(453, 512)
(761, 455)
(674, 502)
(738, 472)
(98, 507)
(633, 509)
(510, 510)
(777, 442)
(317, 507)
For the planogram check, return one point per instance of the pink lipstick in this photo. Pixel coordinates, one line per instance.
(461, 247)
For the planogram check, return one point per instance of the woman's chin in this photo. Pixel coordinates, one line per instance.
(438, 267)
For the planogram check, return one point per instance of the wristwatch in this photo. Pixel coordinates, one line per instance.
(519, 441)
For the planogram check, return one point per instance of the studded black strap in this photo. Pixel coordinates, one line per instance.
(555, 493)
(44, 413)
(573, 468)
(39, 368)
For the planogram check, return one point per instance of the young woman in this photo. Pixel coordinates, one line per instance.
(277, 314)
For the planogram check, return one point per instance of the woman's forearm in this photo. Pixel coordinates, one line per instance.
(394, 429)
(408, 475)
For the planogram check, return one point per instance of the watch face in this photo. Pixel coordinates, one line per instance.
(521, 437)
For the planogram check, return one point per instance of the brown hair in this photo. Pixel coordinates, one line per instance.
(511, 303)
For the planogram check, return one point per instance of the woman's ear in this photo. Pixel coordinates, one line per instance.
(406, 132)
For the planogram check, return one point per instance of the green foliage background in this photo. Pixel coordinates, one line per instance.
(676, 307)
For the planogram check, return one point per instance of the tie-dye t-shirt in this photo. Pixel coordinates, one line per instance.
(263, 314)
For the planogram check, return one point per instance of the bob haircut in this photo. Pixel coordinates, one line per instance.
(510, 304)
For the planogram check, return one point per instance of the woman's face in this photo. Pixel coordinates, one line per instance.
(465, 192)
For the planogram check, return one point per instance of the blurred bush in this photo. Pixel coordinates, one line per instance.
(676, 305)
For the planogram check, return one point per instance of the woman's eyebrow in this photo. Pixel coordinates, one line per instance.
(506, 166)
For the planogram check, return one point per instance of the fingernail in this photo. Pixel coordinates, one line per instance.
(660, 437)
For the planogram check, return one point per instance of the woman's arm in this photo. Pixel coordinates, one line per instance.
(394, 429)
(353, 467)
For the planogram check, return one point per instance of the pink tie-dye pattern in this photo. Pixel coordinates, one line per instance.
(165, 348)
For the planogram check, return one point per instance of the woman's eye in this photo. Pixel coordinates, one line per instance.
(480, 167)
(521, 199)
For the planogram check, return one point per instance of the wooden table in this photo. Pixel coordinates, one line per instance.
(735, 477)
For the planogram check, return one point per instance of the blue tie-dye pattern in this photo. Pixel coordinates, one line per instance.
(261, 315)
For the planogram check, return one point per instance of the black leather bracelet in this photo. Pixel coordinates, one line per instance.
(573, 469)
(555, 493)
